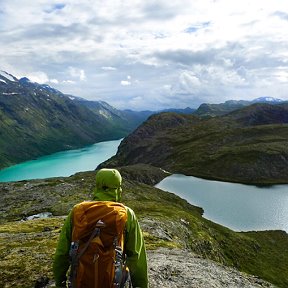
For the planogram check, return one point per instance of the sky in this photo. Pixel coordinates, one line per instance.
(152, 54)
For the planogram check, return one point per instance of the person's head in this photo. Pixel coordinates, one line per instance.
(108, 185)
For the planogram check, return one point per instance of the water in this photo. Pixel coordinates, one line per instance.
(237, 206)
(62, 164)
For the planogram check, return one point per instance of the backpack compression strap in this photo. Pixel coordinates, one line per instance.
(76, 257)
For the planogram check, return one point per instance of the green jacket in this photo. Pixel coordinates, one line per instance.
(134, 244)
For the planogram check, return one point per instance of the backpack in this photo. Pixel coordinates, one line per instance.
(96, 252)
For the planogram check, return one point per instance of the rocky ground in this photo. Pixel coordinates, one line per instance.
(178, 268)
(175, 268)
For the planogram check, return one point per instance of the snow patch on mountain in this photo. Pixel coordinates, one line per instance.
(11, 93)
(105, 114)
(267, 99)
(7, 76)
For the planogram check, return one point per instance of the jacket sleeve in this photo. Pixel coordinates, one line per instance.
(61, 259)
(135, 250)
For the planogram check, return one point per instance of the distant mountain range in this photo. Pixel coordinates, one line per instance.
(248, 145)
(211, 110)
(36, 119)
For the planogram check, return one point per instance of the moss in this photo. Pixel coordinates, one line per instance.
(153, 242)
(32, 226)
(26, 251)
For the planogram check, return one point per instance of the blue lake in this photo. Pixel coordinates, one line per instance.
(60, 164)
(237, 206)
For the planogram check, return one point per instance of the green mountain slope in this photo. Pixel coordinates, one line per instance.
(248, 145)
(36, 120)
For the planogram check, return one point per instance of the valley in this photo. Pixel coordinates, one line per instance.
(233, 142)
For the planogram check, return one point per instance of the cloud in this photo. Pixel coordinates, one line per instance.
(39, 77)
(160, 10)
(125, 83)
(149, 54)
(187, 57)
(108, 68)
(281, 15)
(54, 81)
(77, 73)
(68, 82)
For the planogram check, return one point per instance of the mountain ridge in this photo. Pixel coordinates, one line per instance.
(211, 110)
(247, 145)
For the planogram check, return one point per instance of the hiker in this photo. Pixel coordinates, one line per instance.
(107, 191)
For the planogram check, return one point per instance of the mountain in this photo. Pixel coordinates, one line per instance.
(211, 110)
(127, 118)
(248, 145)
(119, 119)
(186, 110)
(267, 99)
(206, 110)
(47, 121)
(37, 120)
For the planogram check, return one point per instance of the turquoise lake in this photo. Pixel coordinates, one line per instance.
(60, 164)
(237, 206)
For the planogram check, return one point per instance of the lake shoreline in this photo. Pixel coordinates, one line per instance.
(264, 183)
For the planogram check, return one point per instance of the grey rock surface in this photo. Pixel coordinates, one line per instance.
(178, 268)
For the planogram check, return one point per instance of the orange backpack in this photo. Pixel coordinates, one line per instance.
(96, 253)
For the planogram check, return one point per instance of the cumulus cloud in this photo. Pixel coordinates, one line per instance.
(39, 77)
(149, 54)
(77, 73)
(125, 83)
(54, 81)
